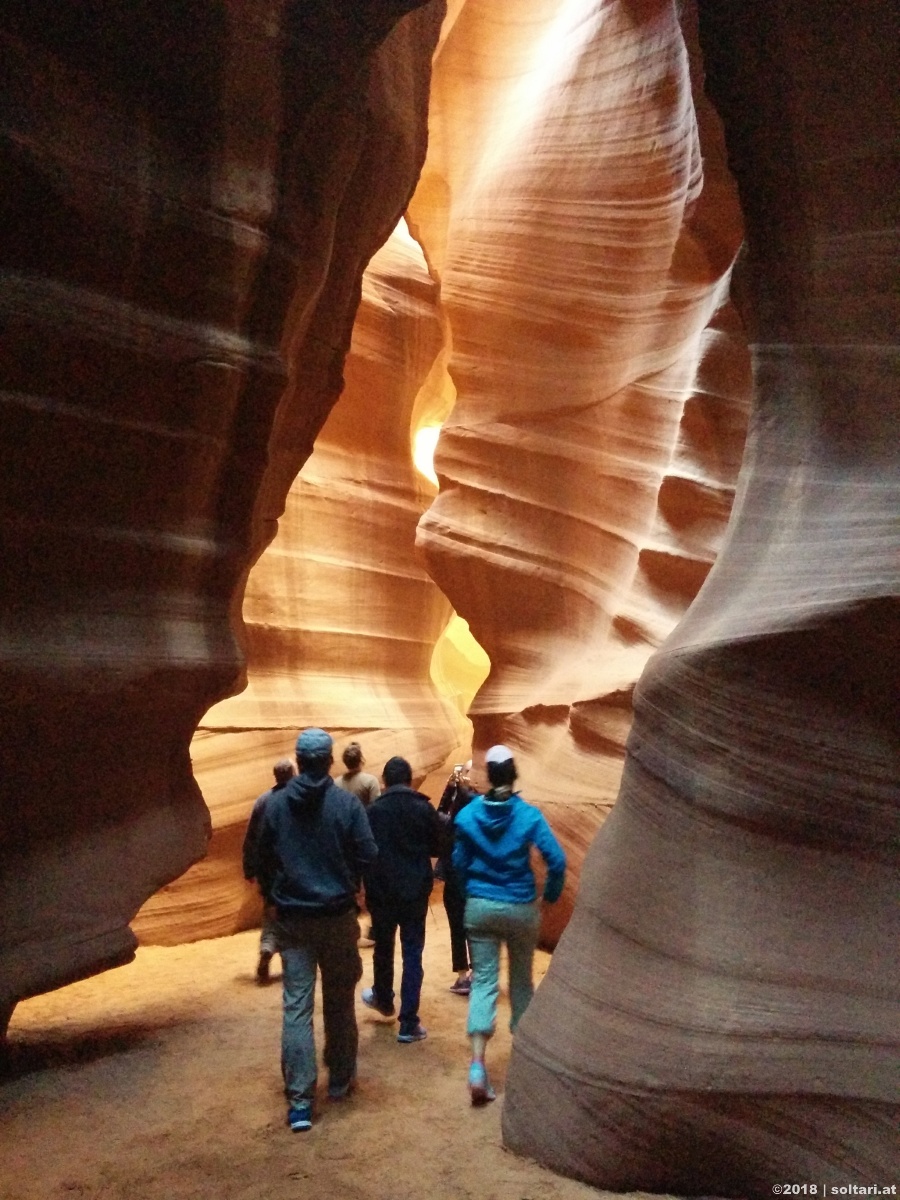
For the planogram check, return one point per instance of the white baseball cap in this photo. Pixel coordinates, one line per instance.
(499, 754)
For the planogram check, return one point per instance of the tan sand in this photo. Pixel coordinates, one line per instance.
(160, 1081)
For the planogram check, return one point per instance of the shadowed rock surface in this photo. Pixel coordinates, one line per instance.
(721, 1014)
(189, 199)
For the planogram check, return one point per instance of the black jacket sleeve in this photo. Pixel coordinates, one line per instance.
(250, 854)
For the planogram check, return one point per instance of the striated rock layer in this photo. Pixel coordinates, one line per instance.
(188, 201)
(577, 207)
(722, 1012)
(340, 618)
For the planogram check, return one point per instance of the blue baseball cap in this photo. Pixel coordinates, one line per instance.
(314, 743)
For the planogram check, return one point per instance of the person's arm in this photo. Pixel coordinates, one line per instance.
(374, 791)
(463, 797)
(250, 853)
(449, 795)
(462, 857)
(554, 857)
(363, 847)
(437, 833)
(266, 855)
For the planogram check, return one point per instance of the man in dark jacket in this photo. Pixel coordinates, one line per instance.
(314, 845)
(407, 831)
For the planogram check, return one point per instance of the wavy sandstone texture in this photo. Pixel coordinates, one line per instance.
(189, 199)
(722, 1012)
(579, 213)
(340, 618)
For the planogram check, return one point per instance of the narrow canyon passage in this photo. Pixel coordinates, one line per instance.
(637, 262)
(160, 1081)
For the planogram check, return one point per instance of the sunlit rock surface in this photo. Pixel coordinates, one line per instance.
(341, 620)
(583, 224)
(188, 200)
(721, 1015)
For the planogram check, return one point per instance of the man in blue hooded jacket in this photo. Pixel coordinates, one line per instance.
(314, 844)
(492, 860)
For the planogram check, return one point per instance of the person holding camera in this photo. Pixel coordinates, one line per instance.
(457, 794)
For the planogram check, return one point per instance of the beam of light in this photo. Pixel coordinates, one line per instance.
(424, 443)
(459, 665)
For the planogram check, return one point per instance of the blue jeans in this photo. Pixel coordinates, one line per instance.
(329, 944)
(387, 915)
(489, 923)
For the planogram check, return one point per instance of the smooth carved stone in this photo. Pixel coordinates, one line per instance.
(721, 1014)
(189, 199)
(340, 618)
(578, 210)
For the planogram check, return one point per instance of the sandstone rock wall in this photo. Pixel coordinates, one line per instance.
(721, 1013)
(576, 206)
(340, 619)
(188, 201)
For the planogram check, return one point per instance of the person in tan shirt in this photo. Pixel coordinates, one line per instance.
(355, 779)
(367, 789)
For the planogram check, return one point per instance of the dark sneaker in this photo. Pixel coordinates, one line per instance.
(300, 1116)
(462, 987)
(262, 967)
(340, 1091)
(417, 1033)
(479, 1088)
(370, 1000)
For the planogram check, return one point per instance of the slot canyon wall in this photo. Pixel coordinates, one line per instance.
(631, 384)
(576, 206)
(722, 1011)
(188, 201)
(340, 618)
(182, 249)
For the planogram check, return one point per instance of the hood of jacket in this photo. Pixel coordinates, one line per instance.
(305, 793)
(493, 817)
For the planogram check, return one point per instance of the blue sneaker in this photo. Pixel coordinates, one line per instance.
(417, 1033)
(479, 1088)
(300, 1116)
(370, 1000)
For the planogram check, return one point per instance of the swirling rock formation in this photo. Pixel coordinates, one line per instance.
(721, 1014)
(189, 198)
(577, 208)
(340, 618)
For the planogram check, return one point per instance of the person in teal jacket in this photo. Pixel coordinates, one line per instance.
(492, 860)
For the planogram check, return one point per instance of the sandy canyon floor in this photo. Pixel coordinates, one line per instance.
(160, 1081)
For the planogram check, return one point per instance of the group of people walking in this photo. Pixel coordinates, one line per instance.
(313, 841)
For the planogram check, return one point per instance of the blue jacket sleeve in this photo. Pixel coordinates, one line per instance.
(554, 856)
